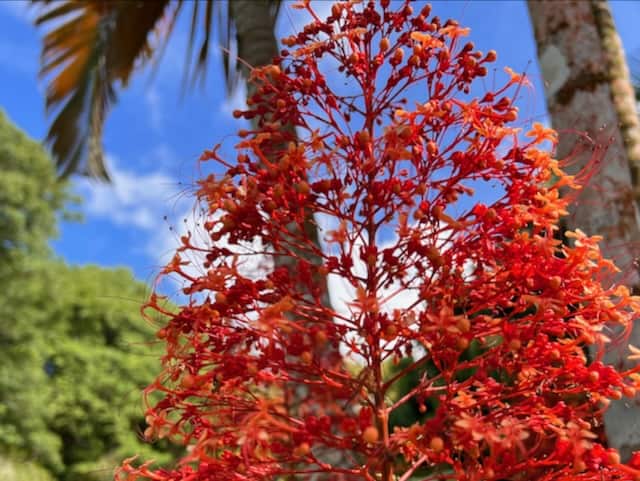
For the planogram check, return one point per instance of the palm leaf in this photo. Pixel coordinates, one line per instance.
(92, 45)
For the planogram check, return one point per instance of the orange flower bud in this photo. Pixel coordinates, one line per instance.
(515, 344)
(370, 435)
(437, 444)
(301, 450)
(306, 357)
(616, 395)
(398, 55)
(303, 187)
(390, 332)
(189, 381)
(220, 298)
(463, 324)
(613, 457)
(363, 138)
(321, 337)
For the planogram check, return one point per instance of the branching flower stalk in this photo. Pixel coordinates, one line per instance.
(478, 301)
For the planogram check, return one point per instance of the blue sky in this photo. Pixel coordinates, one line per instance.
(155, 135)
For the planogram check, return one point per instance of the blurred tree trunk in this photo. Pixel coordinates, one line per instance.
(255, 33)
(588, 89)
(257, 45)
(254, 23)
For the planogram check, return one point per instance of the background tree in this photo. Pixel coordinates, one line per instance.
(588, 90)
(30, 198)
(74, 350)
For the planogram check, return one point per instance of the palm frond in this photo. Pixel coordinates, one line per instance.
(91, 45)
(94, 44)
(206, 16)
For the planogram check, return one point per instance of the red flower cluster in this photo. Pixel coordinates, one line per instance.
(496, 310)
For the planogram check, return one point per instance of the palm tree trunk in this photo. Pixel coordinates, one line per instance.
(588, 90)
(254, 21)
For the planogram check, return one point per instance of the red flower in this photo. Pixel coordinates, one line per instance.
(482, 310)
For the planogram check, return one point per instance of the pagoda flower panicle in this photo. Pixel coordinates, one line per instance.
(366, 121)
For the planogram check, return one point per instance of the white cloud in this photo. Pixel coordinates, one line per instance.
(135, 200)
(191, 223)
(342, 293)
(392, 297)
(154, 204)
(163, 246)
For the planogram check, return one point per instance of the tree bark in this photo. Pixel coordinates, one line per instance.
(588, 90)
(255, 33)
(254, 22)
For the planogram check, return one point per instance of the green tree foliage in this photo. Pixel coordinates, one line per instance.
(30, 197)
(17, 471)
(75, 359)
(74, 350)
